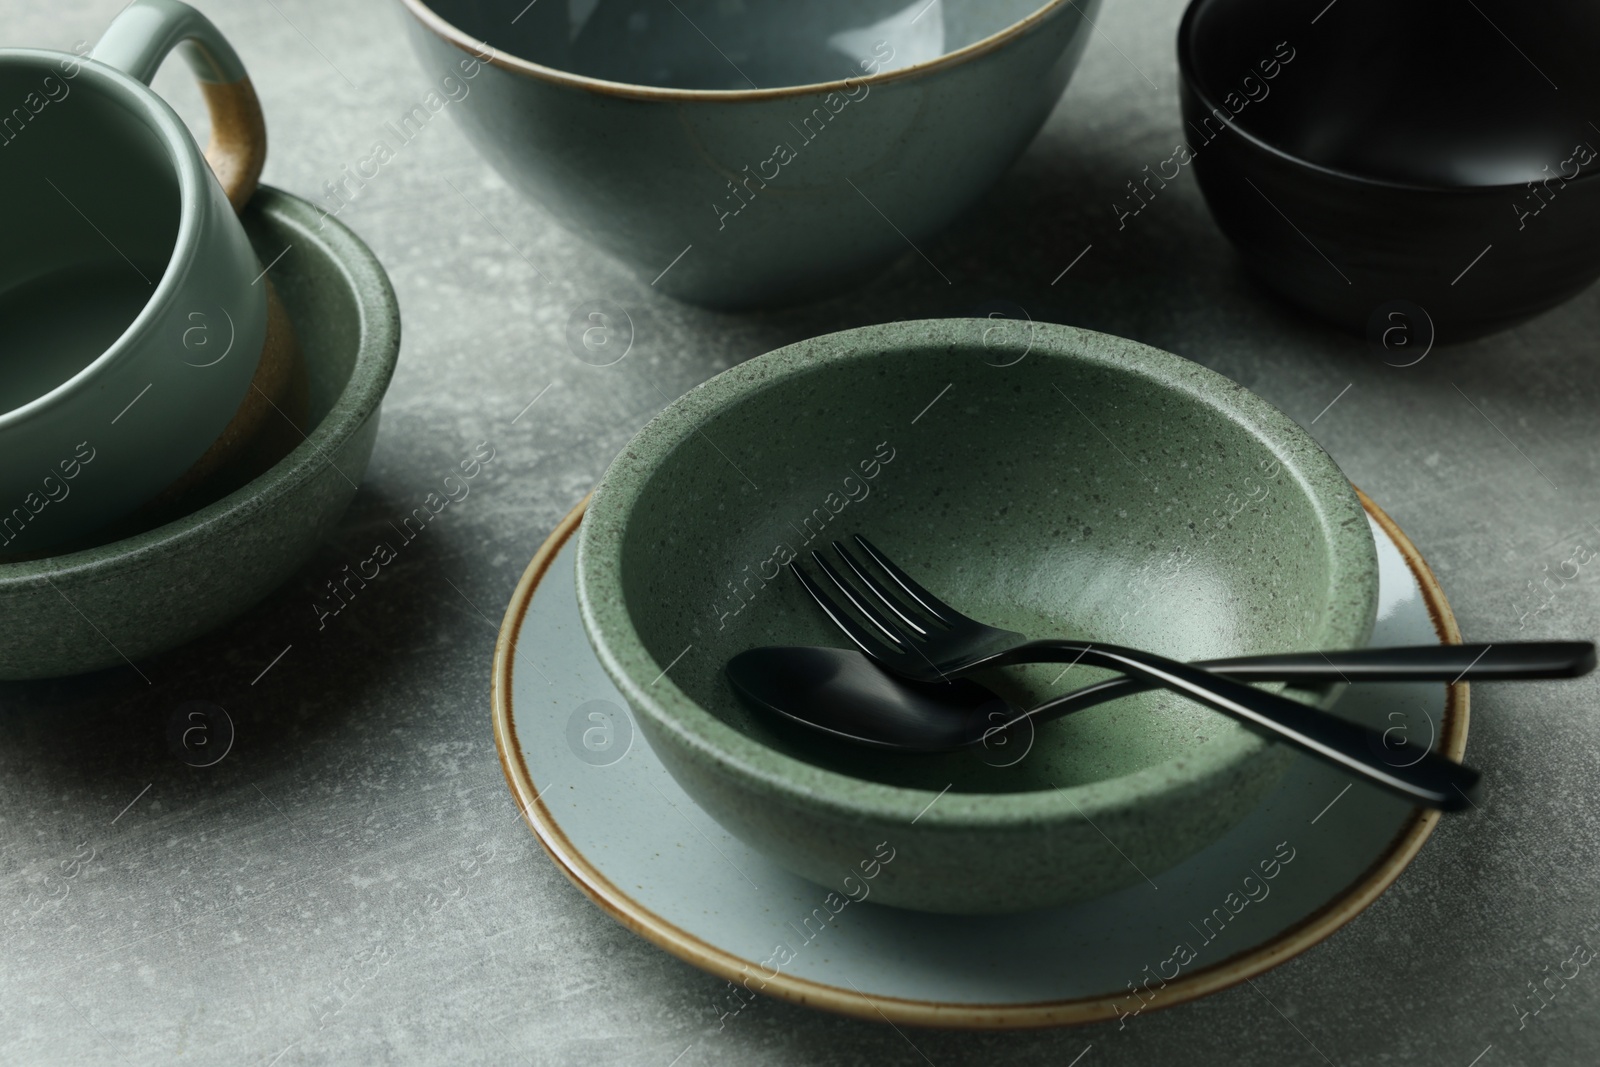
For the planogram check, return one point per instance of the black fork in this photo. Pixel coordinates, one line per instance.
(910, 632)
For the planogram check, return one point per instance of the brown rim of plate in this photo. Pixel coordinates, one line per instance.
(1350, 902)
(484, 52)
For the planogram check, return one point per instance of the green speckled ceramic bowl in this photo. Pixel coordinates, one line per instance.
(154, 590)
(1048, 480)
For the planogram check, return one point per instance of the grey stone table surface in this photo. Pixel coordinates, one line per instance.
(154, 912)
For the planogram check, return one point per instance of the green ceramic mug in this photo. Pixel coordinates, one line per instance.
(133, 312)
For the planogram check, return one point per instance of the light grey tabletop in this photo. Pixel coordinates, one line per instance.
(153, 912)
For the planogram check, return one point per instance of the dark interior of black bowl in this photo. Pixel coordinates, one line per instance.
(1483, 92)
(1412, 171)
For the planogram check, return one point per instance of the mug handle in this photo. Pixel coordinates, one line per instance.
(138, 40)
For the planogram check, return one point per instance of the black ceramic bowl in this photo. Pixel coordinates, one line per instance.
(1400, 168)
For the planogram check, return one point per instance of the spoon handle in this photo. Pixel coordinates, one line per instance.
(1430, 780)
(1407, 663)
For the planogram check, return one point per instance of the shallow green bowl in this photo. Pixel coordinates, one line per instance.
(1048, 480)
(155, 590)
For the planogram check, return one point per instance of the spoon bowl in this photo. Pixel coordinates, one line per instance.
(839, 692)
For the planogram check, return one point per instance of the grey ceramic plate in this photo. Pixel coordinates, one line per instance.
(155, 590)
(618, 825)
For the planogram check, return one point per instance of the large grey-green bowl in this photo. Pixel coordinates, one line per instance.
(155, 590)
(1049, 480)
(747, 154)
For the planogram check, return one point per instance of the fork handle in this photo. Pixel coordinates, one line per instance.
(1431, 780)
(1419, 663)
(1500, 661)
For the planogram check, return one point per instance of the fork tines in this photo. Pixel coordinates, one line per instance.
(916, 610)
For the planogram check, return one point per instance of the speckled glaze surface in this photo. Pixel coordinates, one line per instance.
(153, 591)
(708, 170)
(1046, 479)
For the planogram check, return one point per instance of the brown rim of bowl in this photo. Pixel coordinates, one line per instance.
(447, 31)
(1314, 928)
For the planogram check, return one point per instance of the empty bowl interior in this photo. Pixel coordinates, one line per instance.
(1455, 96)
(93, 219)
(324, 302)
(1067, 495)
(743, 44)
(325, 311)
